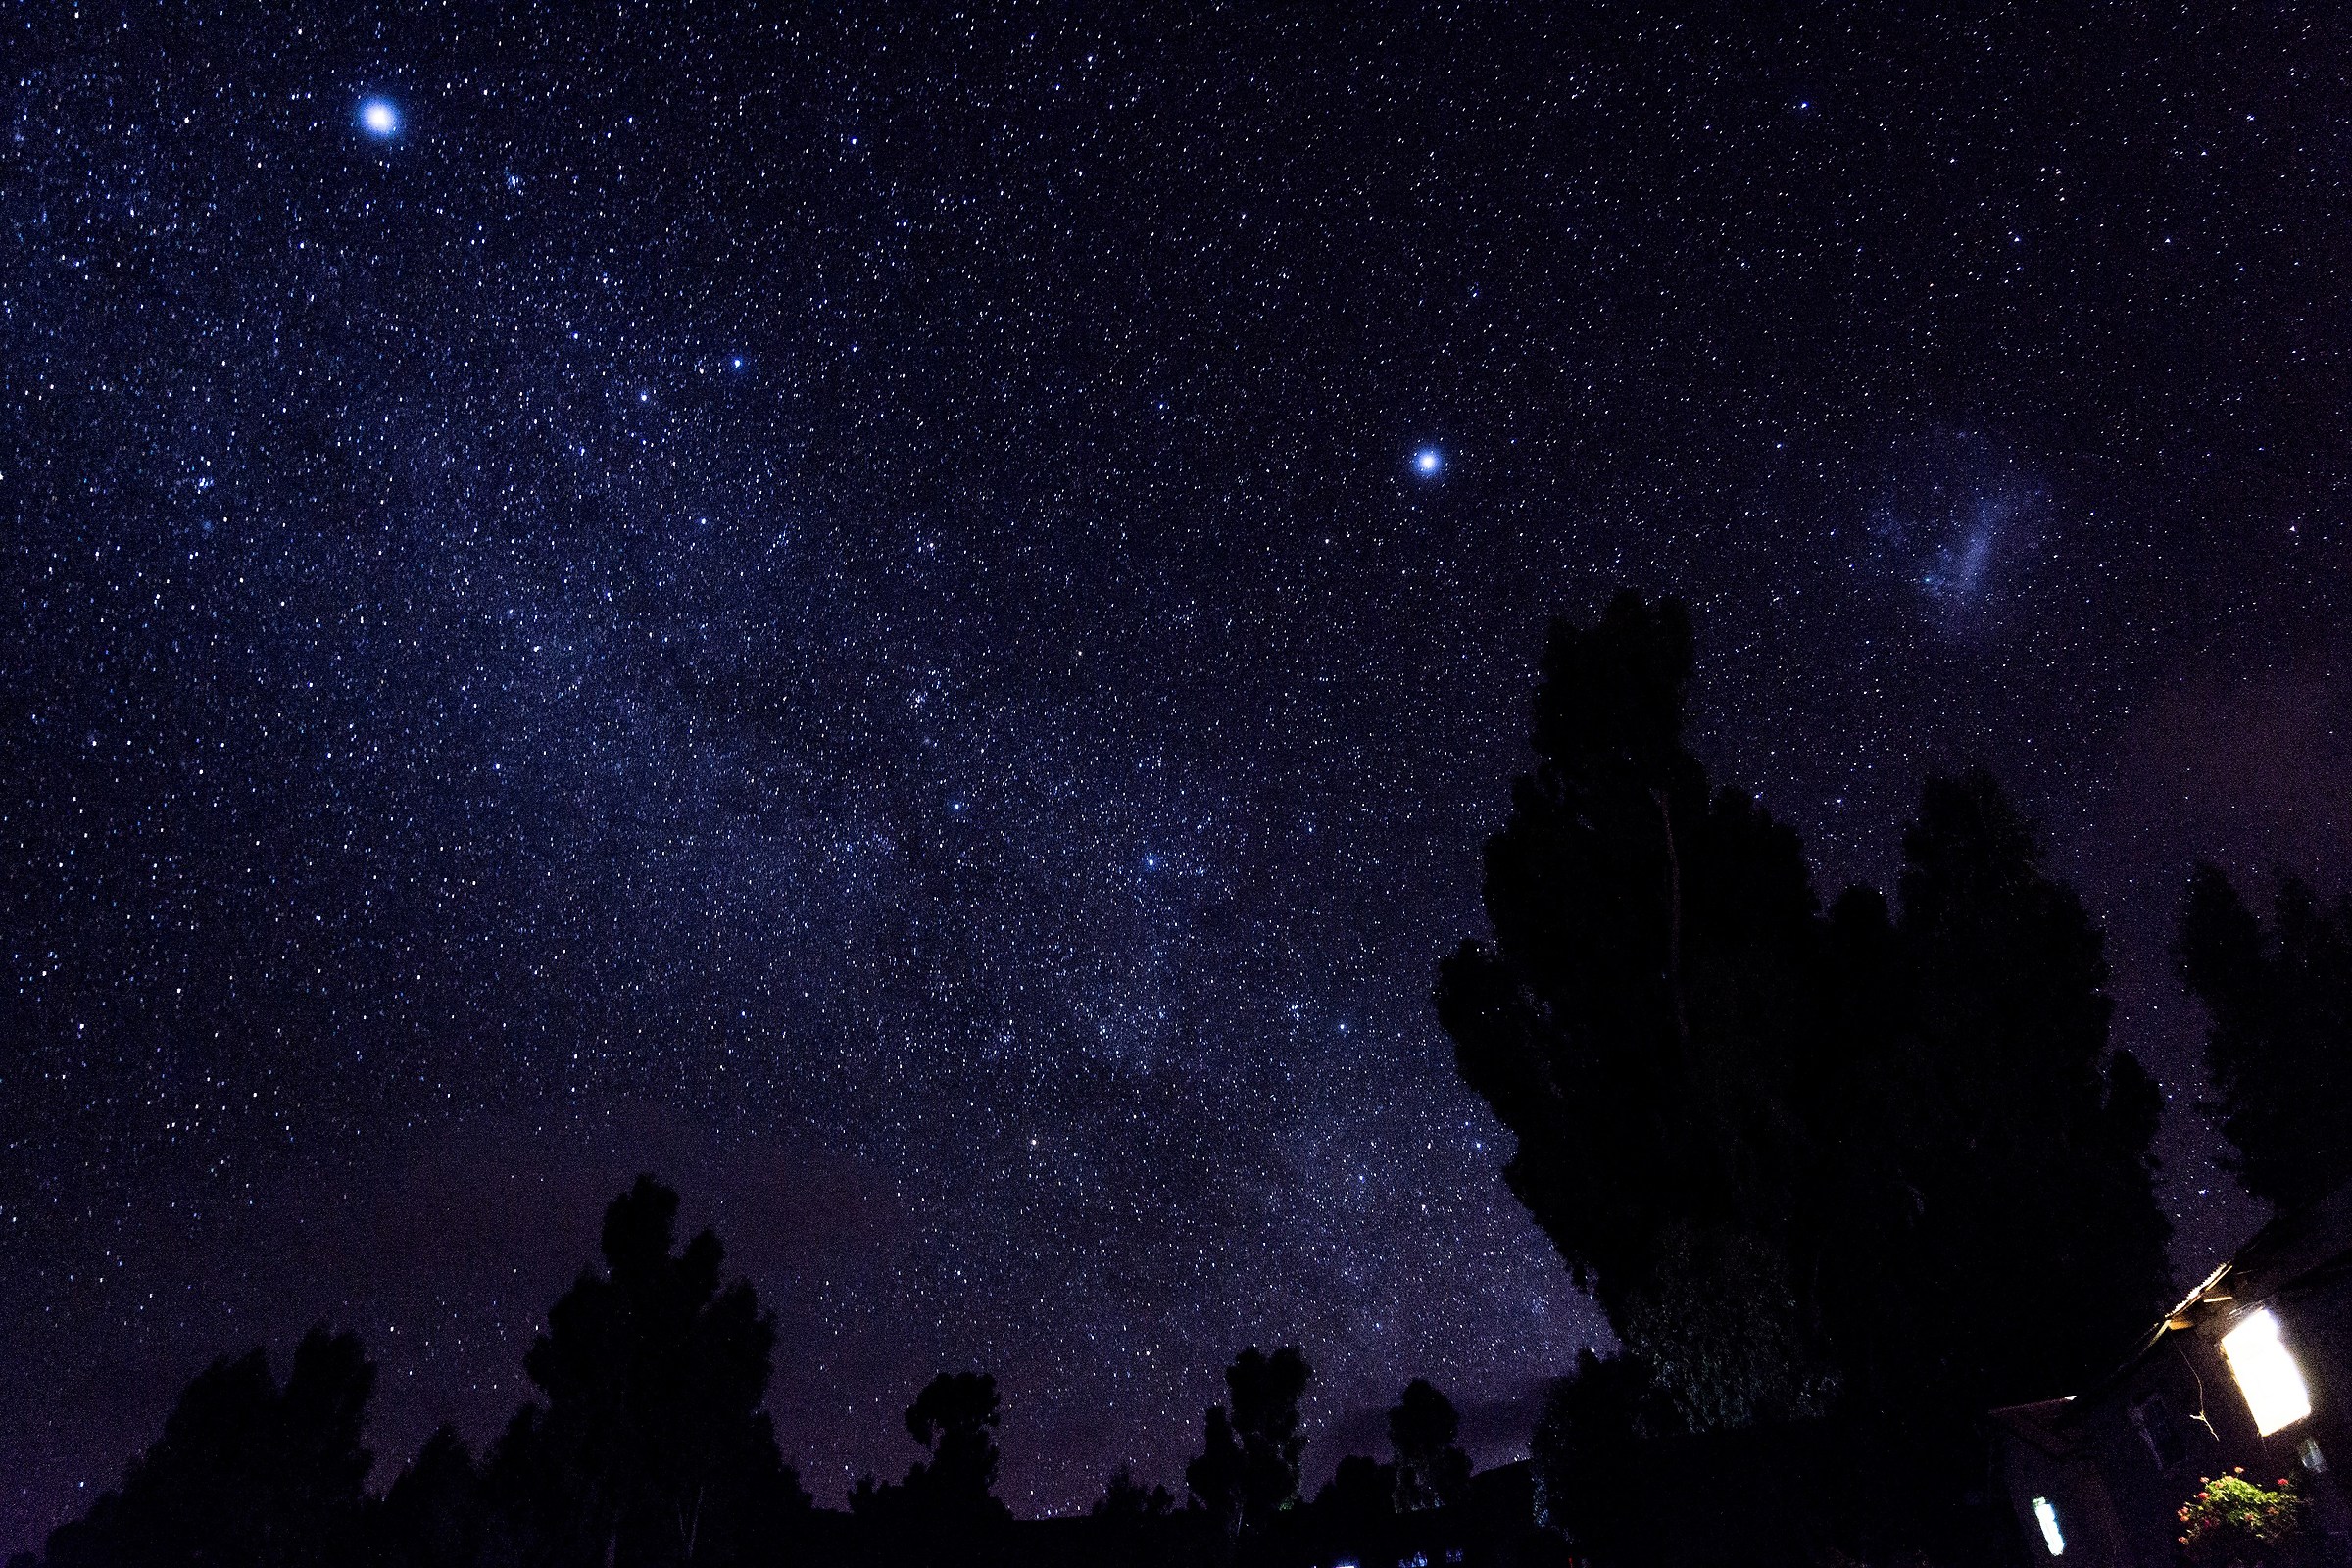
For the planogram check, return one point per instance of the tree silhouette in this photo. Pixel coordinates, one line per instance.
(936, 1512)
(2023, 1141)
(1135, 1526)
(1125, 1500)
(1248, 1470)
(1791, 1152)
(650, 1447)
(433, 1515)
(1596, 1483)
(1217, 1477)
(1632, 1020)
(954, 1416)
(1360, 1495)
(245, 1473)
(1432, 1470)
(2279, 1041)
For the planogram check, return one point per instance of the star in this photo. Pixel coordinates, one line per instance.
(379, 118)
(1429, 463)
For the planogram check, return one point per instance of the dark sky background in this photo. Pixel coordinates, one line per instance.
(839, 607)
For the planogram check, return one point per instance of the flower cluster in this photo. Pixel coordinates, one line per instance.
(2236, 1523)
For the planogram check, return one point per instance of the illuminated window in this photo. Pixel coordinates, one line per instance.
(2267, 1375)
(2047, 1516)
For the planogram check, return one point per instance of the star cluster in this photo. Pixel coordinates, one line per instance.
(865, 613)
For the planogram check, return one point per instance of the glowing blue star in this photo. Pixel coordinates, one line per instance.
(1429, 463)
(379, 118)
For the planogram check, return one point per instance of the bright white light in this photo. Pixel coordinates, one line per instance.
(2047, 1516)
(379, 118)
(2267, 1375)
(1427, 463)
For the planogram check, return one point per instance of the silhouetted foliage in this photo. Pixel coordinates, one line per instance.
(432, 1516)
(649, 1450)
(1127, 1500)
(1635, 1488)
(2011, 1144)
(1248, 1470)
(955, 1417)
(2278, 1046)
(1216, 1477)
(1361, 1494)
(1135, 1526)
(1596, 1483)
(1431, 1471)
(944, 1504)
(650, 1447)
(245, 1473)
(1875, 1170)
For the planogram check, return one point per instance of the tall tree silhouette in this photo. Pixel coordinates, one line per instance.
(433, 1514)
(245, 1473)
(2279, 1041)
(1217, 1477)
(1248, 1470)
(1432, 1470)
(955, 1416)
(651, 1449)
(2024, 1138)
(1653, 976)
(1789, 1153)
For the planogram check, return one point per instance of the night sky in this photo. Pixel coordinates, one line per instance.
(914, 620)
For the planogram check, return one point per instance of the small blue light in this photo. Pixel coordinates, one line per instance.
(1429, 463)
(379, 118)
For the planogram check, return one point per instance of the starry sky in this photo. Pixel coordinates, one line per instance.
(913, 619)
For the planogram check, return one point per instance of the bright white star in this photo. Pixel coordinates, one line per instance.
(380, 118)
(1429, 463)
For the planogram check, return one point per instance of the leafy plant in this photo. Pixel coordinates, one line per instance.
(2236, 1523)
